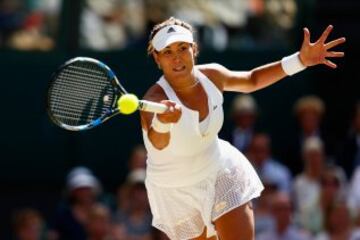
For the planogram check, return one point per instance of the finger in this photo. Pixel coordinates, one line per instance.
(326, 33)
(335, 43)
(329, 63)
(164, 102)
(334, 54)
(168, 103)
(306, 35)
(177, 107)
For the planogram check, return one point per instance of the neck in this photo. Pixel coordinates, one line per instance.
(183, 84)
(188, 87)
(341, 232)
(281, 228)
(312, 174)
(310, 132)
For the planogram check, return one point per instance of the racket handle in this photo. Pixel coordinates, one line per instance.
(154, 107)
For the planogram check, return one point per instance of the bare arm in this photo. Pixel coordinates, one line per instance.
(243, 81)
(249, 81)
(172, 115)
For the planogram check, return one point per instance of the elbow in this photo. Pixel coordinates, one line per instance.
(247, 90)
(159, 146)
(159, 140)
(253, 82)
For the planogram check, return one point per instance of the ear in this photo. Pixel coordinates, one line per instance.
(195, 48)
(156, 57)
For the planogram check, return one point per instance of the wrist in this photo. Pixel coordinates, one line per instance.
(292, 64)
(159, 126)
(301, 58)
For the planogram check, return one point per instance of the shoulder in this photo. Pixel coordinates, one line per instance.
(280, 167)
(215, 72)
(212, 68)
(155, 94)
(355, 234)
(322, 236)
(299, 180)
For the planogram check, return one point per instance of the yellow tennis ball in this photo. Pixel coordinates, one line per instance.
(128, 103)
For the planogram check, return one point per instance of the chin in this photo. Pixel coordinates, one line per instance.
(181, 74)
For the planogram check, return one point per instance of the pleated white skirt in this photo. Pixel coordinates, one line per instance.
(183, 212)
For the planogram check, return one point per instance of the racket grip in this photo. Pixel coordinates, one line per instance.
(154, 107)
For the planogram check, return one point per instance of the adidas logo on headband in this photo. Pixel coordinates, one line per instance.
(171, 34)
(170, 30)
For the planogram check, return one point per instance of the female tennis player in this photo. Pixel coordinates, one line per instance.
(200, 186)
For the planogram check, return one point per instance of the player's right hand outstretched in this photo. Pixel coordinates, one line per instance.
(172, 114)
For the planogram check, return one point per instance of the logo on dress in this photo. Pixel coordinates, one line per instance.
(171, 30)
(215, 107)
(220, 206)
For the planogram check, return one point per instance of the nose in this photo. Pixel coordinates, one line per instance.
(176, 58)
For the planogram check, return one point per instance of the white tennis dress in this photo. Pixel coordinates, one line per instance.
(198, 177)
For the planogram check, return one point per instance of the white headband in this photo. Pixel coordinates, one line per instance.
(171, 34)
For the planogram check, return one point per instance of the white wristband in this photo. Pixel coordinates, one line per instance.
(159, 126)
(292, 64)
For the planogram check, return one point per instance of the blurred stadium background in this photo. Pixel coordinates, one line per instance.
(36, 36)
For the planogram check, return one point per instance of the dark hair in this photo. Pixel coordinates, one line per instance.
(26, 216)
(331, 175)
(331, 209)
(168, 22)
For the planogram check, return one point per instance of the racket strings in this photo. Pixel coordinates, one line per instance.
(80, 94)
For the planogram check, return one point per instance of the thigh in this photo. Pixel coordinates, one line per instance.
(203, 236)
(238, 224)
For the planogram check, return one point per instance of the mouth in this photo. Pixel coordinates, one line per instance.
(179, 69)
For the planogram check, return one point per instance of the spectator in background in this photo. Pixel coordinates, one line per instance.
(231, 23)
(233, 18)
(271, 22)
(112, 24)
(269, 169)
(332, 188)
(354, 195)
(100, 227)
(350, 156)
(244, 112)
(309, 111)
(137, 158)
(307, 184)
(28, 225)
(338, 224)
(11, 18)
(136, 218)
(282, 211)
(209, 30)
(38, 26)
(83, 190)
(262, 209)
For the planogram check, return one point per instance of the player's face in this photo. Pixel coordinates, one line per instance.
(176, 60)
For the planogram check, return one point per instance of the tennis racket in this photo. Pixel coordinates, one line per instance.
(84, 92)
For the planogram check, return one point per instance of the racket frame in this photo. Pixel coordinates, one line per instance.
(119, 90)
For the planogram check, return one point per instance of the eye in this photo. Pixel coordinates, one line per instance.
(167, 52)
(183, 48)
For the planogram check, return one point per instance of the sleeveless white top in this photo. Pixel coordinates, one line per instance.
(198, 177)
(191, 153)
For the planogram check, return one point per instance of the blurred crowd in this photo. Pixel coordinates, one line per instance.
(119, 24)
(29, 24)
(87, 212)
(311, 194)
(312, 188)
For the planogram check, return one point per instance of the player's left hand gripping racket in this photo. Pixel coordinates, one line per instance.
(84, 93)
